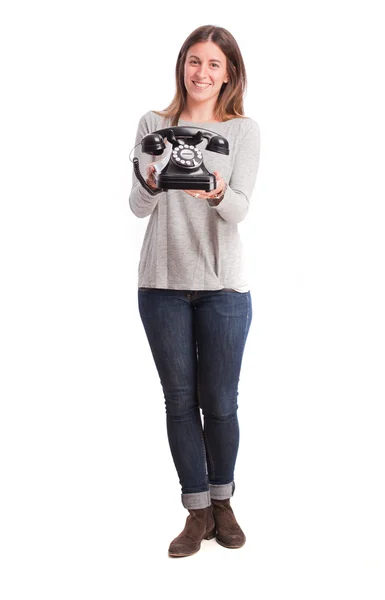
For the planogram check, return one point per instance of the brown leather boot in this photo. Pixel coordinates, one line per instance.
(200, 525)
(229, 534)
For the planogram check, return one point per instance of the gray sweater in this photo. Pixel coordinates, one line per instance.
(189, 244)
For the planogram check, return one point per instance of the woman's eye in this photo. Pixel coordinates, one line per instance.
(192, 62)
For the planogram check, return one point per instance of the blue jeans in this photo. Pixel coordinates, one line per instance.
(197, 339)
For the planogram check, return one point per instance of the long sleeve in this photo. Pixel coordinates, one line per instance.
(142, 203)
(235, 203)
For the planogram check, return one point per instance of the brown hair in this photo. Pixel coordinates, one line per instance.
(230, 99)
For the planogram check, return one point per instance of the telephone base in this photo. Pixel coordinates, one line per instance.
(206, 183)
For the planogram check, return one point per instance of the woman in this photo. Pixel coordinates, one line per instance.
(194, 299)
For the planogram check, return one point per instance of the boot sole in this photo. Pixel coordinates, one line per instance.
(173, 555)
(209, 536)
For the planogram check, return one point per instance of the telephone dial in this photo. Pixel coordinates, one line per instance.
(183, 169)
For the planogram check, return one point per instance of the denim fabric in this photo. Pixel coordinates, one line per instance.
(197, 340)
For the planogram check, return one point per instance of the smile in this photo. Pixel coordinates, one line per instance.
(201, 86)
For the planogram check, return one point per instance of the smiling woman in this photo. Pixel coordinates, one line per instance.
(210, 58)
(204, 75)
(194, 298)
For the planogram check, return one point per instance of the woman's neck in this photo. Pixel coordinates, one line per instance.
(199, 114)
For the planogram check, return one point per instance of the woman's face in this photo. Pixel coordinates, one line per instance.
(204, 71)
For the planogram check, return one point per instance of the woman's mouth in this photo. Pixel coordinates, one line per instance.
(200, 85)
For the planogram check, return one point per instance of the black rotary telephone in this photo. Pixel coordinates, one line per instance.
(184, 169)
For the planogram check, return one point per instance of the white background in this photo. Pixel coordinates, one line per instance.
(90, 499)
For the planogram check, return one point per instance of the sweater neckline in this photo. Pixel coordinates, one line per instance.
(203, 123)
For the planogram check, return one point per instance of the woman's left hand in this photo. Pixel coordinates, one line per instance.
(202, 195)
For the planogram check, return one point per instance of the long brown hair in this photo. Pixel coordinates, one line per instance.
(230, 100)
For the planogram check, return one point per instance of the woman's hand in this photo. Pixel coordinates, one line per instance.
(200, 194)
(150, 179)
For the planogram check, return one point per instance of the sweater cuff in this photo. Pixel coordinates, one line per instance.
(216, 201)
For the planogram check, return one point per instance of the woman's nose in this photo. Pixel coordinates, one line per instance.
(202, 71)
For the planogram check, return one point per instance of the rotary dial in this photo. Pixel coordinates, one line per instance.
(187, 156)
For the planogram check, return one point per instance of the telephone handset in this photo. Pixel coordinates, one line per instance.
(184, 169)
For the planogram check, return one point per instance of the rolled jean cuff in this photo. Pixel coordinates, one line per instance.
(195, 501)
(222, 492)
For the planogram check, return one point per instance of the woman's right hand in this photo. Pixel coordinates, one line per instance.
(150, 179)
